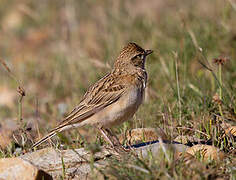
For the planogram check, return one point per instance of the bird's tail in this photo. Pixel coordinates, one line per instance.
(50, 135)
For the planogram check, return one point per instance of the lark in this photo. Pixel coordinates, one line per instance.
(113, 99)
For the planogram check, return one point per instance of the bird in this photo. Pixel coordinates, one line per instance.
(111, 100)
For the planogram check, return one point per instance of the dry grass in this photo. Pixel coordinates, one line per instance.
(56, 49)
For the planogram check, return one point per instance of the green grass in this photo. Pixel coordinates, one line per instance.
(56, 49)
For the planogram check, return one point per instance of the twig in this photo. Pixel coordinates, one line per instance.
(178, 89)
(214, 75)
(20, 90)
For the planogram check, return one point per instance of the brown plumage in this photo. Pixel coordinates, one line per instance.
(114, 98)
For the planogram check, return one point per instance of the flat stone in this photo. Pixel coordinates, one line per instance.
(17, 168)
(77, 161)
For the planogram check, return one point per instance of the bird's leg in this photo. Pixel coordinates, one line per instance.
(105, 135)
(112, 140)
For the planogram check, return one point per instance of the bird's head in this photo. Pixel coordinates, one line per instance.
(132, 55)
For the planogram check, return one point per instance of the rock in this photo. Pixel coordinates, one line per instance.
(206, 151)
(229, 128)
(139, 135)
(16, 168)
(77, 162)
(231, 131)
(182, 139)
(185, 139)
(144, 149)
(185, 157)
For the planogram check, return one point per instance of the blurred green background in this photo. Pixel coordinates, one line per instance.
(56, 49)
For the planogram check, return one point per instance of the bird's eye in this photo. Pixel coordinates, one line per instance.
(138, 56)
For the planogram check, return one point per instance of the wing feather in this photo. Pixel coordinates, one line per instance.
(105, 92)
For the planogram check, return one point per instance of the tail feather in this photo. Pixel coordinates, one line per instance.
(50, 135)
(54, 132)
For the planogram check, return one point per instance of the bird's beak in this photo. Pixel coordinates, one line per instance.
(147, 52)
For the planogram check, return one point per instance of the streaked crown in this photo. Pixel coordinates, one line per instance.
(132, 54)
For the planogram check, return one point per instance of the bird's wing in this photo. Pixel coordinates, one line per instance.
(105, 92)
